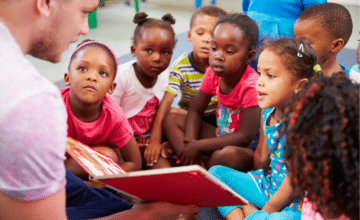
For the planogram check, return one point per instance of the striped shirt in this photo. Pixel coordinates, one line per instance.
(186, 77)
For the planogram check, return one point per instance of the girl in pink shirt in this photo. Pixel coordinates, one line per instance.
(322, 147)
(94, 118)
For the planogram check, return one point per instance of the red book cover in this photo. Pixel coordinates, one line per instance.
(191, 185)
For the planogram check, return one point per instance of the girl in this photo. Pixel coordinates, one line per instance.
(283, 66)
(322, 147)
(232, 81)
(142, 82)
(93, 117)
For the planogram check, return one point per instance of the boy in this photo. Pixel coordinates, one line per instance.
(186, 75)
(327, 27)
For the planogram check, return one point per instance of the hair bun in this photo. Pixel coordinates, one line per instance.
(140, 17)
(169, 18)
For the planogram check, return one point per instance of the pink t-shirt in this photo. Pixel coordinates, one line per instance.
(111, 128)
(308, 212)
(143, 121)
(229, 110)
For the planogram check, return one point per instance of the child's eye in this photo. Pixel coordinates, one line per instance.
(200, 33)
(102, 73)
(149, 50)
(270, 75)
(213, 48)
(166, 52)
(81, 68)
(258, 73)
(230, 52)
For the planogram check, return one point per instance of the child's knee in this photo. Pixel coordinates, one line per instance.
(173, 119)
(223, 154)
(108, 151)
(216, 170)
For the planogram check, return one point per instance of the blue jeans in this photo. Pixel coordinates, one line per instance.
(85, 202)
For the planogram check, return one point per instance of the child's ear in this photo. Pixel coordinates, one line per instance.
(189, 36)
(337, 45)
(67, 79)
(251, 56)
(43, 7)
(300, 84)
(132, 49)
(112, 88)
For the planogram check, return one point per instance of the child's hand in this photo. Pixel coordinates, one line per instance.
(152, 153)
(191, 152)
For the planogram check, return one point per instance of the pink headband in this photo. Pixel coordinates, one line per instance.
(95, 42)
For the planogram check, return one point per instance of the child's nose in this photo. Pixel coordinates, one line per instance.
(207, 37)
(259, 82)
(219, 55)
(92, 75)
(156, 56)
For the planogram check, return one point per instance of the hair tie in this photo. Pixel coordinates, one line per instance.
(317, 68)
(96, 42)
(301, 49)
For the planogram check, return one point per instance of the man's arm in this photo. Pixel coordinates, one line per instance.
(53, 206)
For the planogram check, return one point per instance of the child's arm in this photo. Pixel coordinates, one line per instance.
(193, 119)
(131, 156)
(152, 151)
(248, 128)
(281, 198)
(262, 154)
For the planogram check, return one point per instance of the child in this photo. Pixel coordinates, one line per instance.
(93, 117)
(354, 72)
(327, 27)
(186, 76)
(275, 18)
(141, 83)
(284, 65)
(322, 148)
(232, 81)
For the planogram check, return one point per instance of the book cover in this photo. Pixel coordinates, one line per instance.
(192, 185)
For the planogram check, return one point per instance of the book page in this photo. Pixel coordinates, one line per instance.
(95, 163)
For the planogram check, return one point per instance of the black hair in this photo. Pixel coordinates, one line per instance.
(322, 144)
(334, 17)
(92, 43)
(247, 25)
(300, 57)
(142, 21)
(209, 10)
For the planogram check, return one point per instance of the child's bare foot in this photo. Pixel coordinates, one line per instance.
(168, 153)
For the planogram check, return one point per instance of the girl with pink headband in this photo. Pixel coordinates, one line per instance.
(94, 118)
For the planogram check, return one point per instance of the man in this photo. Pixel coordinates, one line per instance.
(33, 117)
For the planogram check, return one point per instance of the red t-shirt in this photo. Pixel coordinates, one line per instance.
(111, 128)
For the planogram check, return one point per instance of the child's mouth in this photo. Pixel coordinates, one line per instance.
(90, 88)
(260, 96)
(217, 68)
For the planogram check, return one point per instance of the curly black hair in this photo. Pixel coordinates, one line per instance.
(322, 144)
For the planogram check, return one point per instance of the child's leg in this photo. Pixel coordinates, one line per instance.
(240, 182)
(108, 151)
(173, 128)
(238, 158)
(74, 168)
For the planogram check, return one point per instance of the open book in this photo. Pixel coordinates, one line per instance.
(191, 185)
